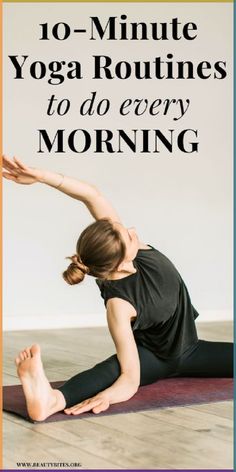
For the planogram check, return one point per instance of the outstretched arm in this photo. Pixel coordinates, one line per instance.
(119, 314)
(97, 204)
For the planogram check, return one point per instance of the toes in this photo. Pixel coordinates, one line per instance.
(35, 350)
(17, 361)
(27, 352)
(21, 356)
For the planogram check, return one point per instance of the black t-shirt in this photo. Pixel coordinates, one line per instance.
(165, 315)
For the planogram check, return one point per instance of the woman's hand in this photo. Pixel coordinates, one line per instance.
(97, 204)
(97, 404)
(19, 172)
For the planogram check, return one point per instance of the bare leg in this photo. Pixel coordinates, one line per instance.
(41, 399)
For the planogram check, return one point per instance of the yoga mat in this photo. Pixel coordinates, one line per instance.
(164, 393)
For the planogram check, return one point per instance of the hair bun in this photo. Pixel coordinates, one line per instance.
(76, 270)
(77, 260)
(74, 258)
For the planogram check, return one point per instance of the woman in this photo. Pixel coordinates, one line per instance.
(149, 312)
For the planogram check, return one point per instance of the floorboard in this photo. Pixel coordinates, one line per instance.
(191, 437)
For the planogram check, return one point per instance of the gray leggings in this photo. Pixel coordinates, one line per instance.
(203, 359)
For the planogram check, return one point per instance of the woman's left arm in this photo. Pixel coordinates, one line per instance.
(119, 314)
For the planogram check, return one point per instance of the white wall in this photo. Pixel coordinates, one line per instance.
(180, 204)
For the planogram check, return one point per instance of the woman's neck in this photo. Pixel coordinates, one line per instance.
(129, 269)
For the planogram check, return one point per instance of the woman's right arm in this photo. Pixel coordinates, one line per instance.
(96, 203)
(119, 316)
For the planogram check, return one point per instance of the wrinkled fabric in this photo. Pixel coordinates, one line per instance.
(165, 322)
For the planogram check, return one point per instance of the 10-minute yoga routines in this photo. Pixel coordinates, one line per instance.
(149, 312)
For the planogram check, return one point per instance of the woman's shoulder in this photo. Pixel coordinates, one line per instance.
(146, 250)
(144, 247)
(106, 287)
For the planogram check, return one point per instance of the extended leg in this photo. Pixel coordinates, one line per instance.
(208, 359)
(90, 382)
(42, 400)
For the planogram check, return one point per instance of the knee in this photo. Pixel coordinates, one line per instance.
(110, 368)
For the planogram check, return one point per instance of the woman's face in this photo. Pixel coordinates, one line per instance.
(130, 239)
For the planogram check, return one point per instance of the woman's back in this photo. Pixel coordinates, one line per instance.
(165, 316)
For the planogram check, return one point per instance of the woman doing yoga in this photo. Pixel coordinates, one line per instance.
(149, 312)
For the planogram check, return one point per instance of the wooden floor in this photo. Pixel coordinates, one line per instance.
(192, 437)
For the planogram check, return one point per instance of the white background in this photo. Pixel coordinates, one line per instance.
(181, 204)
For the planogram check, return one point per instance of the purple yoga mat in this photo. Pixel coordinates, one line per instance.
(164, 393)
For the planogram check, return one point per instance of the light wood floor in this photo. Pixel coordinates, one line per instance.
(192, 437)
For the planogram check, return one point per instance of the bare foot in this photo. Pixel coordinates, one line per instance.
(41, 400)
